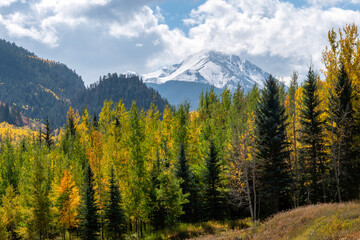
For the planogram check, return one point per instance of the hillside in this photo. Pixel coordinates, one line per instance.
(115, 87)
(175, 90)
(314, 222)
(38, 87)
(10, 115)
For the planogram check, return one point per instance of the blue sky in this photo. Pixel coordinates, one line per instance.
(96, 37)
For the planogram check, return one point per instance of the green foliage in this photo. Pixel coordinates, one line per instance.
(342, 115)
(271, 148)
(213, 200)
(39, 201)
(38, 87)
(312, 155)
(115, 87)
(9, 170)
(48, 134)
(138, 175)
(114, 214)
(89, 216)
(11, 213)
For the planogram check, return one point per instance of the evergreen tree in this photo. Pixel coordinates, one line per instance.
(166, 197)
(270, 122)
(183, 172)
(341, 112)
(95, 121)
(312, 155)
(70, 127)
(40, 202)
(114, 214)
(48, 135)
(157, 215)
(89, 216)
(292, 113)
(213, 199)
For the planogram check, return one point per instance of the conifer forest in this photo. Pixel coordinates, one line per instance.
(124, 174)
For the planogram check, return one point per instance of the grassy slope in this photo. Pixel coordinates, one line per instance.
(315, 222)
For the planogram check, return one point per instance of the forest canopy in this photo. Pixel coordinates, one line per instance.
(132, 171)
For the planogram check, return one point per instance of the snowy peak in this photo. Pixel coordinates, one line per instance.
(211, 67)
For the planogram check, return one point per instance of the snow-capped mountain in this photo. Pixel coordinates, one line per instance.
(212, 68)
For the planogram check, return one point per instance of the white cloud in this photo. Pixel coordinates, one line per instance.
(268, 28)
(6, 3)
(263, 30)
(325, 3)
(142, 22)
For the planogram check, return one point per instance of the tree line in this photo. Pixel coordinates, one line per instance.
(133, 172)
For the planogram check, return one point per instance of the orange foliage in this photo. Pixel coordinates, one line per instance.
(69, 200)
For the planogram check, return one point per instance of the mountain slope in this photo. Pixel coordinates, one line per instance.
(177, 91)
(115, 87)
(207, 67)
(38, 87)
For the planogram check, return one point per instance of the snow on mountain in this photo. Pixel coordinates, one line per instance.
(213, 68)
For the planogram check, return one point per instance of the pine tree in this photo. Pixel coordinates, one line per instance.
(292, 133)
(312, 156)
(166, 197)
(70, 127)
(213, 199)
(95, 121)
(341, 112)
(40, 202)
(89, 217)
(157, 215)
(270, 122)
(114, 214)
(48, 135)
(183, 172)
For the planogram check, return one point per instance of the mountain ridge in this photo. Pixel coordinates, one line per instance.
(204, 70)
(39, 88)
(211, 67)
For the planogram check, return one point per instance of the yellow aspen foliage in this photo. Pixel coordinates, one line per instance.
(105, 116)
(99, 166)
(75, 116)
(10, 213)
(167, 135)
(344, 48)
(116, 149)
(152, 134)
(15, 133)
(84, 128)
(68, 200)
(194, 144)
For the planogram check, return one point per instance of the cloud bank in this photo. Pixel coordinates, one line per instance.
(275, 35)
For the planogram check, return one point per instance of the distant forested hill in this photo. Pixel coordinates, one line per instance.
(39, 88)
(115, 87)
(10, 115)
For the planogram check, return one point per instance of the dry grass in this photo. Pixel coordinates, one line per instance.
(315, 222)
(323, 221)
